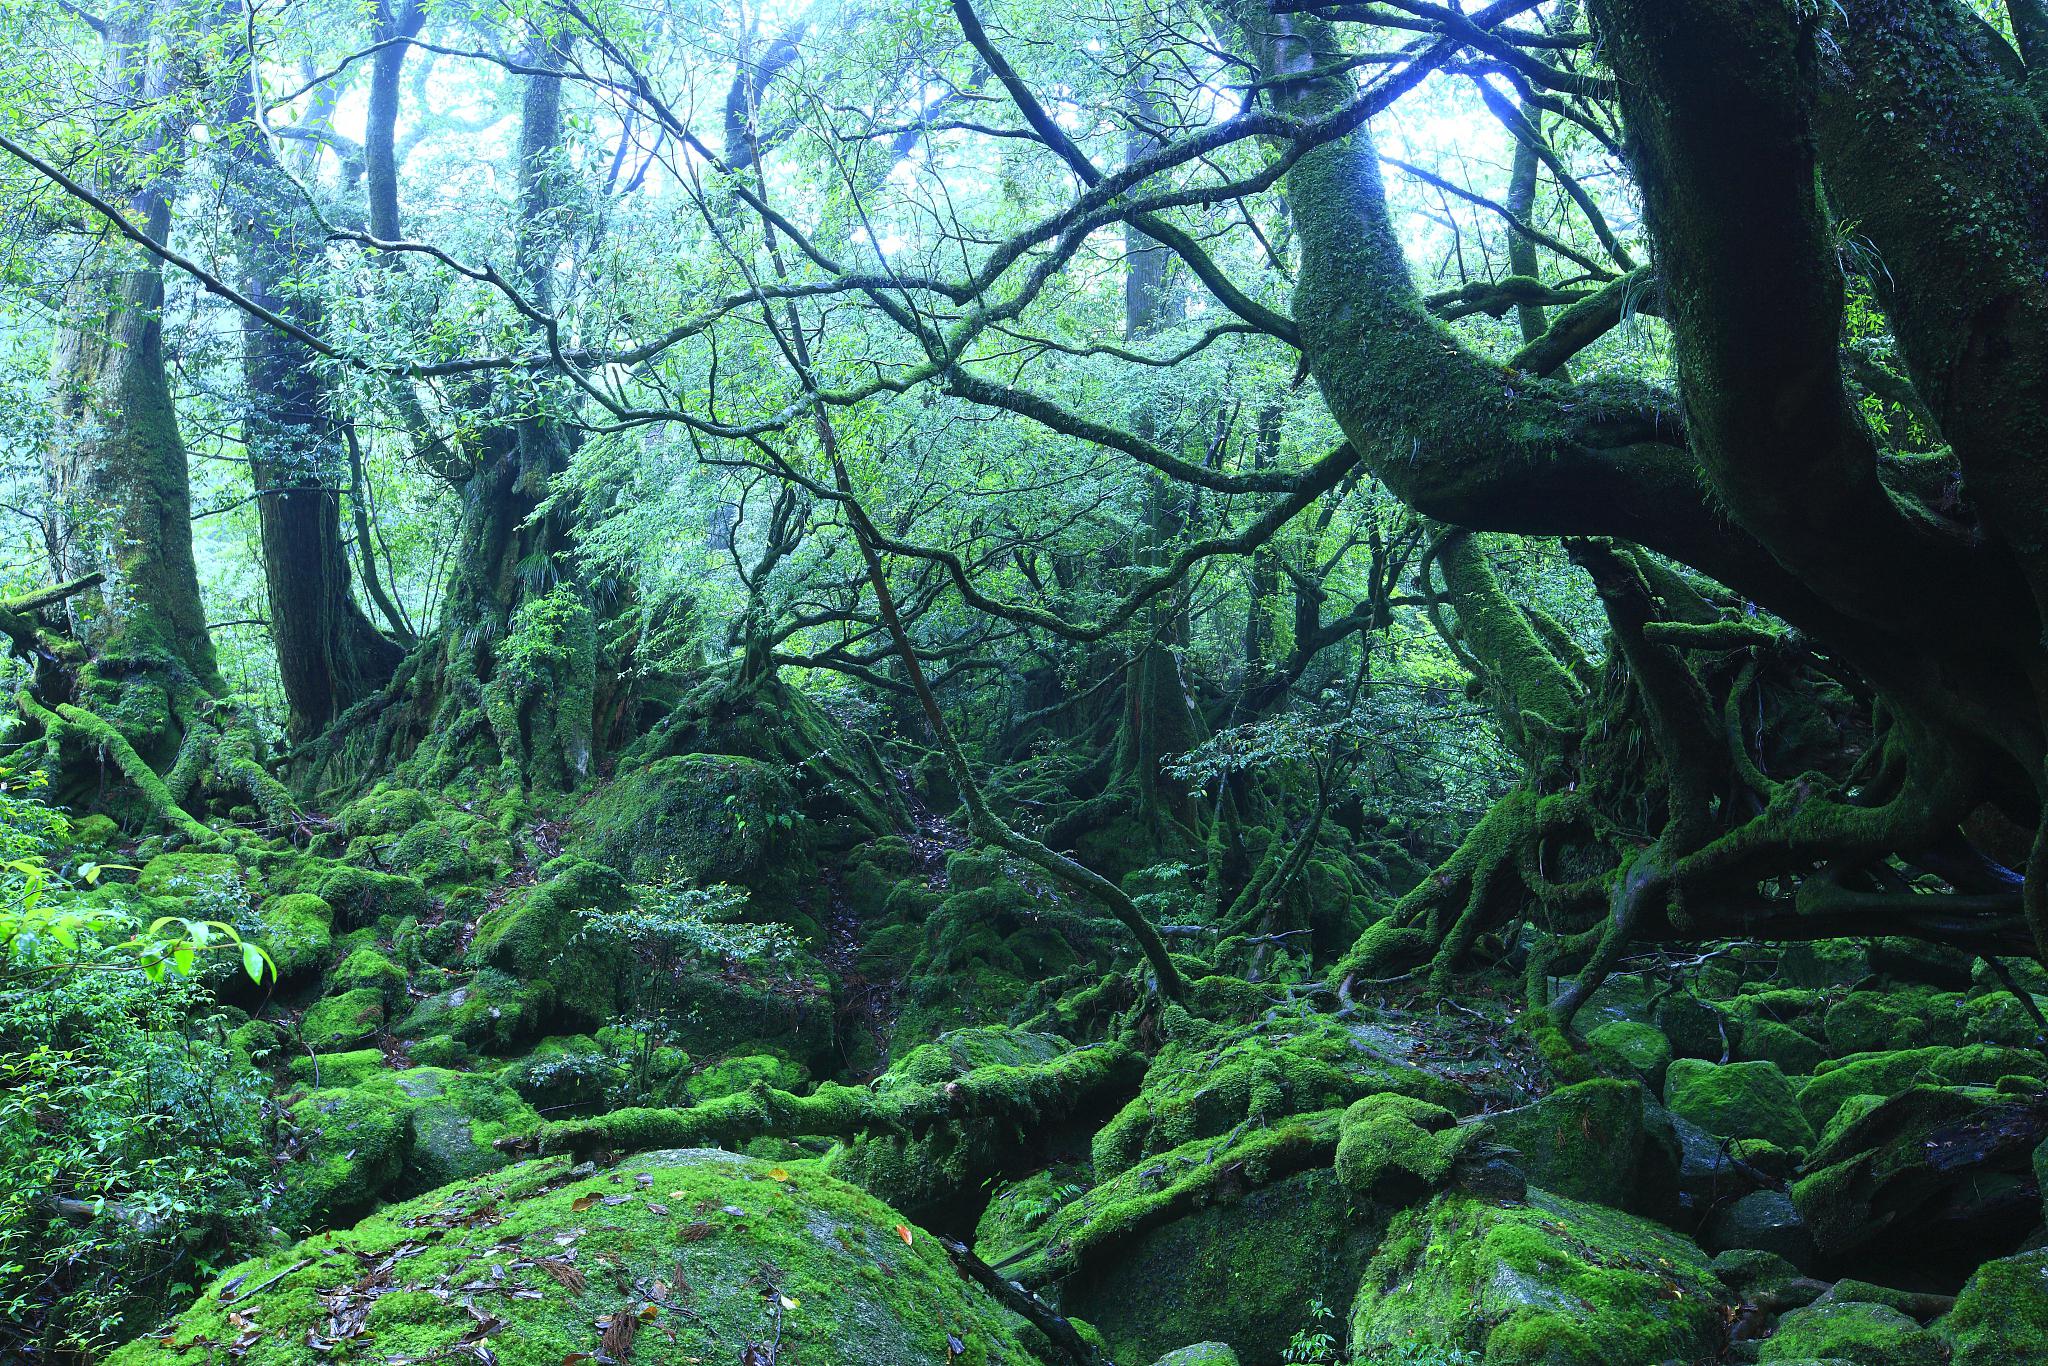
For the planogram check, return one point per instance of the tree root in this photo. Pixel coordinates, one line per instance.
(1080, 1079)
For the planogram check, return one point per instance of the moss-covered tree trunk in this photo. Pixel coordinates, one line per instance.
(330, 656)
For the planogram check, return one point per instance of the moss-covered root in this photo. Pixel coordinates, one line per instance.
(73, 723)
(1086, 1078)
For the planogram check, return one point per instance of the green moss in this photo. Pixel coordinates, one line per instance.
(1390, 1146)
(1585, 1142)
(352, 1149)
(1795, 1054)
(767, 1255)
(1216, 1240)
(94, 830)
(360, 896)
(298, 930)
(187, 874)
(1871, 1021)
(1200, 1354)
(1631, 1046)
(728, 1076)
(1551, 1281)
(367, 969)
(1737, 1100)
(329, 1070)
(535, 937)
(1009, 1226)
(1885, 1074)
(492, 1010)
(1207, 1080)
(2001, 1316)
(386, 812)
(453, 848)
(339, 1022)
(1849, 1331)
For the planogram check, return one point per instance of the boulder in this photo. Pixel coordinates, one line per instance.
(1764, 1220)
(668, 1258)
(1549, 1280)
(1853, 1333)
(1738, 1100)
(2001, 1316)
(1631, 1046)
(1935, 1180)
(1593, 1141)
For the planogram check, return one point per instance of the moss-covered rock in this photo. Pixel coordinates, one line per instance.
(351, 1150)
(325, 1071)
(1887, 1074)
(537, 937)
(1009, 1225)
(1214, 1241)
(1936, 1177)
(336, 1023)
(189, 875)
(1738, 1100)
(1632, 1046)
(453, 847)
(1207, 1080)
(385, 811)
(297, 932)
(1391, 1147)
(368, 970)
(491, 1011)
(2001, 1316)
(361, 896)
(1793, 1052)
(566, 1076)
(703, 1252)
(1200, 1354)
(1763, 1220)
(1696, 1028)
(1550, 1281)
(1853, 1332)
(456, 1119)
(1593, 1141)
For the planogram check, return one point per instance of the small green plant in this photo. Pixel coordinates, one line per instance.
(1313, 1344)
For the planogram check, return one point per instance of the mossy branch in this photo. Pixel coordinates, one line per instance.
(1018, 1095)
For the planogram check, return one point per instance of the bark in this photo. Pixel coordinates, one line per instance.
(329, 654)
(114, 474)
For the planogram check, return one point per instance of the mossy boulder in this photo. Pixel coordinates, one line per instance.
(297, 932)
(1738, 1100)
(1793, 1052)
(1871, 1021)
(452, 848)
(368, 970)
(536, 937)
(1594, 1141)
(335, 1023)
(1887, 1074)
(1152, 1264)
(1200, 1354)
(385, 811)
(1936, 1178)
(2001, 1316)
(351, 1150)
(1632, 1046)
(492, 1010)
(1549, 1280)
(456, 1119)
(1208, 1080)
(187, 875)
(1763, 1220)
(729, 1076)
(362, 896)
(1853, 1332)
(565, 1076)
(703, 818)
(1391, 1146)
(706, 1254)
(1696, 1028)
(327, 1070)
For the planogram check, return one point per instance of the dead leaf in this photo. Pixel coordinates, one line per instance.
(582, 1203)
(619, 1333)
(565, 1273)
(778, 1174)
(903, 1232)
(697, 1232)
